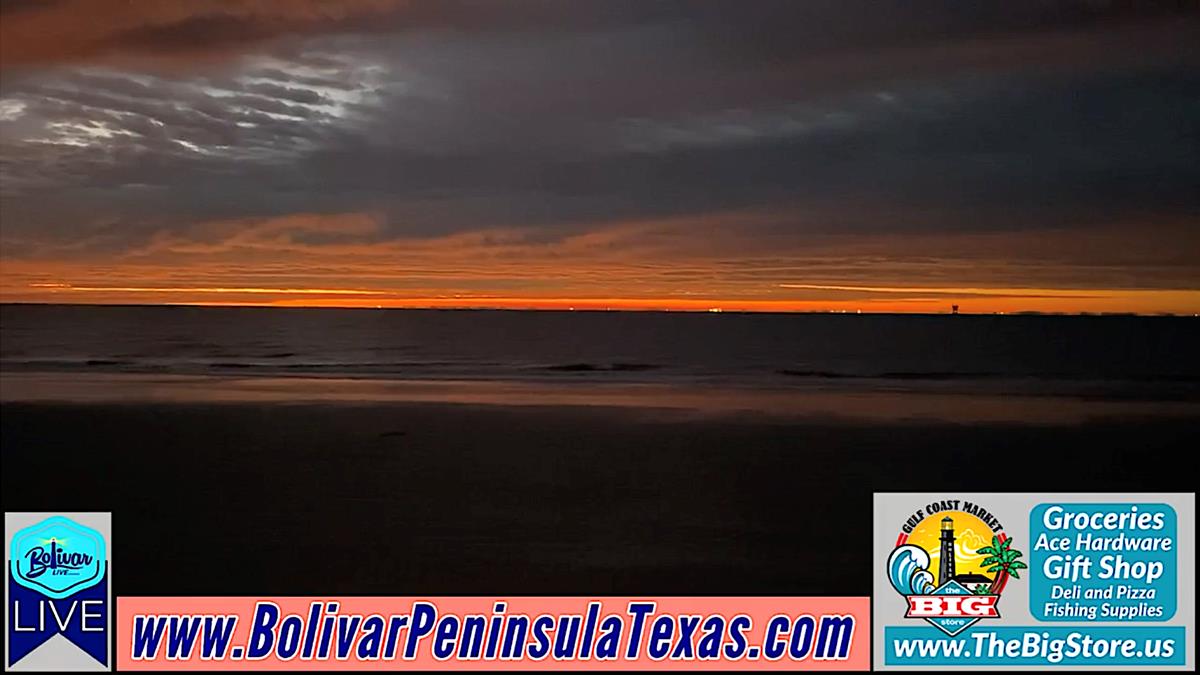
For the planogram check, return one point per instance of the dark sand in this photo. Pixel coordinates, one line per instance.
(253, 498)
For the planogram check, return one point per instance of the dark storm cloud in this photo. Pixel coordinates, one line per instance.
(770, 28)
(89, 30)
(194, 34)
(447, 117)
(10, 7)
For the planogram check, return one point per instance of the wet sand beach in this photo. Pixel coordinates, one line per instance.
(446, 498)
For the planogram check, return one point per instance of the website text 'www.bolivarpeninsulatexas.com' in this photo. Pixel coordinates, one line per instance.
(623, 633)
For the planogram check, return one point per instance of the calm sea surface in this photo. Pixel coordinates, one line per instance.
(1147, 357)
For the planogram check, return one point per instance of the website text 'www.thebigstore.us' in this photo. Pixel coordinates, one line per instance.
(490, 633)
(1015, 646)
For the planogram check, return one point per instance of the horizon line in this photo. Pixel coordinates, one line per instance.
(650, 310)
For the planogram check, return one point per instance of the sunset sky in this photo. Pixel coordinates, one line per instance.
(832, 155)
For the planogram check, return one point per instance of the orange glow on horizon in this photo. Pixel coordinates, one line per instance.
(888, 299)
(342, 260)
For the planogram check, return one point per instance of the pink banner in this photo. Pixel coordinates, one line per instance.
(493, 633)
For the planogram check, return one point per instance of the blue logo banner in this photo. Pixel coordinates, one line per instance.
(81, 618)
(58, 584)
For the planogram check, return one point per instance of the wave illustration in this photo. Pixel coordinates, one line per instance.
(908, 570)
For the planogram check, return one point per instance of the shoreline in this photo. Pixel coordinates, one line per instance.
(827, 402)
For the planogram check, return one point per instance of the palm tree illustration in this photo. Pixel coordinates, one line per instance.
(1003, 560)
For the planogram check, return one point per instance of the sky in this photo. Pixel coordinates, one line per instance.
(831, 155)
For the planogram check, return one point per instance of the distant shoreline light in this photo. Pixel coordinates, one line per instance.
(598, 310)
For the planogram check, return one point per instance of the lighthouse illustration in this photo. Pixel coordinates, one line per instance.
(946, 569)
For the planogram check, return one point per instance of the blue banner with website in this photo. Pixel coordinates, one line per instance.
(1028, 646)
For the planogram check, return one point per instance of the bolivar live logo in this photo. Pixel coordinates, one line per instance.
(965, 543)
(58, 593)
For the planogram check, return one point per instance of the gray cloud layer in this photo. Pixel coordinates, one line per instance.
(445, 117)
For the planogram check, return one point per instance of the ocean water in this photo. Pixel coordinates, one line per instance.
(1102, 356)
